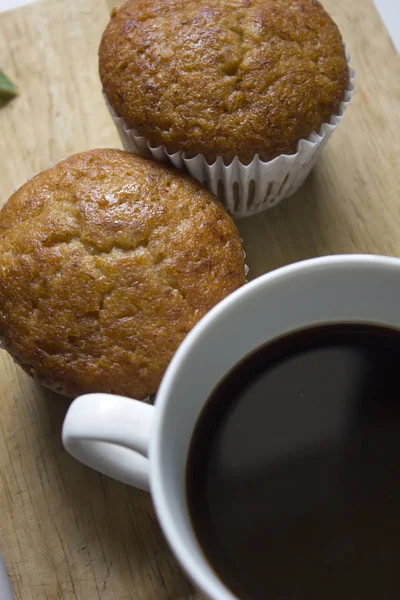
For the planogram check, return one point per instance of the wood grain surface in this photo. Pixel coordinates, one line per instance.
(67, 533)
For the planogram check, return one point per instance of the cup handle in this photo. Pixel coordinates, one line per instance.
(111, 434)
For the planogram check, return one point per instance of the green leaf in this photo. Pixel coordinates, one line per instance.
(7, 87)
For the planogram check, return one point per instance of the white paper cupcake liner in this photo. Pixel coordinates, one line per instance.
(243, 189)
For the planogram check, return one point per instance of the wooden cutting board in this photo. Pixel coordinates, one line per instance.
(65, 531)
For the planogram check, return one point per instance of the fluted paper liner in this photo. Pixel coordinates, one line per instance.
(243, 189)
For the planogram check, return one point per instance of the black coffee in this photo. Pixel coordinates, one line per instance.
(293, 476)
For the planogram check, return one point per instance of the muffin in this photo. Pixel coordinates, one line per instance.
(107, 260)
(226, 82)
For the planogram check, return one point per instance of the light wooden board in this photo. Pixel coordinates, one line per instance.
(67, 533)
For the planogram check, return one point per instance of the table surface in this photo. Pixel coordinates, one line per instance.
(66, 532)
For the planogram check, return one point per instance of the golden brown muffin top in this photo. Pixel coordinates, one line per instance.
(107, 260)
(224, 77)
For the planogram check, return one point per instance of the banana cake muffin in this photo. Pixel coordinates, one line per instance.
(224, 77)
(107, 260)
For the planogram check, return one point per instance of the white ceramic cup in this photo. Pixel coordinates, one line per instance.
(147, 446)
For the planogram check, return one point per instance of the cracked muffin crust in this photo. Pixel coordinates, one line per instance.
(224, 77)
(107, 260)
